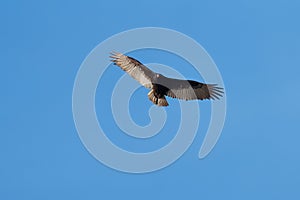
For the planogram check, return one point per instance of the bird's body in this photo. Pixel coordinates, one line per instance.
(162, 86)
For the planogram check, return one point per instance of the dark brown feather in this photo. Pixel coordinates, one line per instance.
(161, 85)
(189, 90)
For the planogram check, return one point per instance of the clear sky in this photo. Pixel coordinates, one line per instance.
(256, 46)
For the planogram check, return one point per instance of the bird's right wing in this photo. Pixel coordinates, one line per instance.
(188, 89)
(134, 68)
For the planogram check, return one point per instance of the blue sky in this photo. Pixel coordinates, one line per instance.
(256, 46)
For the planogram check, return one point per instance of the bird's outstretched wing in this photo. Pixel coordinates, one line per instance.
(188, 89)
(134, 68)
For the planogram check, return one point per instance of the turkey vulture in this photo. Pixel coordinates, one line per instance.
(162, 86)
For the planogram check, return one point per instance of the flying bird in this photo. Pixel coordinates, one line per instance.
(161, 86)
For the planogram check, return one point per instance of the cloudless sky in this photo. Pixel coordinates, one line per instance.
(256, 46)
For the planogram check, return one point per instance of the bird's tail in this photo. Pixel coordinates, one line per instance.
(157, 101)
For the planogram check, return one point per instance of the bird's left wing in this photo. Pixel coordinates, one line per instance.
(134, 68)
(188, 89)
